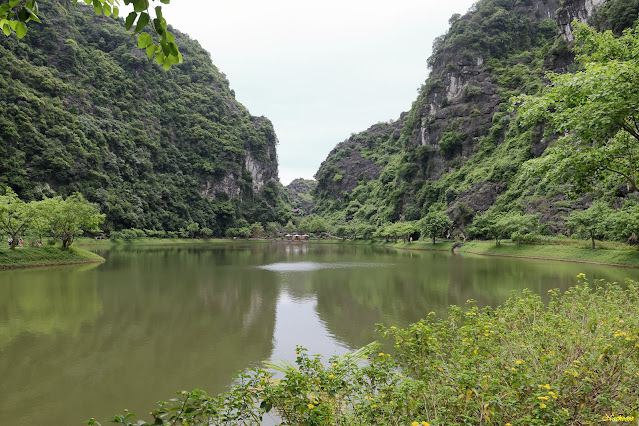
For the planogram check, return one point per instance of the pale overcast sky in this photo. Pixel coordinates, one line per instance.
(318, 70)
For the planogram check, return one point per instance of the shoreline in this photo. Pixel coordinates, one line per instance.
(565, 253)
(37, 257)
(574, 251)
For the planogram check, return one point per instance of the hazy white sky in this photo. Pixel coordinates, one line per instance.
(318, 70)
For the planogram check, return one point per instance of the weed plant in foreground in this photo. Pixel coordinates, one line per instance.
(573, 360)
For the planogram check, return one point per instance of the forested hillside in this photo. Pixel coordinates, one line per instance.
(460, 148)
(83, 109)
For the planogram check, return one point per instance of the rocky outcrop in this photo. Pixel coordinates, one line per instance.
(299, 193)
(357, 159)
(575, 9)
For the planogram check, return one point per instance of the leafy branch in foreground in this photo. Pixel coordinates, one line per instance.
(15, 14)
(572, 360)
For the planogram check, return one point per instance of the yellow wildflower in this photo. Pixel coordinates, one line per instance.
(542, 406)
(311, 406)
(425, 424)
(518, 362)
(330, 376)
(415, 424)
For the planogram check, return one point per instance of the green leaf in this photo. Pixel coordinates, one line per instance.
(6, 29)
(140, 5)
(107, 10)
(116, 12)
(165, 1)
(158, 12)
(21, 29)
(33, 16)
(13, 3)
(97, 6)
(165, 48)
(24, 15)
(142, 22)
(144, 39)
(150, 50)
(159, 58)
(167, 64)
(128, 22)
(174, 49)
(160, 26)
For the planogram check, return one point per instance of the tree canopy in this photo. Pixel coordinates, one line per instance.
(15, 14)
(595, 108)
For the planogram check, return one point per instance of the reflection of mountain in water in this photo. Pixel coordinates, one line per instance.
(172, 319)
(351, 301)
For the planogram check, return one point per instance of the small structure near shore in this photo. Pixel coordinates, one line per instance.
(297, 236)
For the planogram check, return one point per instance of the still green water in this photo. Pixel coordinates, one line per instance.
(88, 341)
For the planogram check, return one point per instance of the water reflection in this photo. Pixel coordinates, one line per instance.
(151, 321)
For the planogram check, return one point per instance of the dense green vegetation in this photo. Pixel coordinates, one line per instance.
(58, 218)
(465, 150)
(572, 360)
(83, 110)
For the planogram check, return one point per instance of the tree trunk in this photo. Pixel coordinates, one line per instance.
(592, 237)
(433, 239)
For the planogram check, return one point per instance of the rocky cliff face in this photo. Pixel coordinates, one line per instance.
(575, 9)
(456, 146)
(299, 193)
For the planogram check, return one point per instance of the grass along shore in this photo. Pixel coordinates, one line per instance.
(27, 257)
(606, 253)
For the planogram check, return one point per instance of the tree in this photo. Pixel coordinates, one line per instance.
(517, 225)
(595, 108)
(257, 230)
(15, 14)
(71, 217)
(487, 225)
(193, 228)
(15, 215)
(592, 220)
(624, 223)
(434, 224)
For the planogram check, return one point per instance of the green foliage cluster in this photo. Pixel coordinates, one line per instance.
(594, 108)
(513, 225)
(15, 14)
(615, 15)
(82, 111)
(55, 217)
(573, 360)
(435, 224)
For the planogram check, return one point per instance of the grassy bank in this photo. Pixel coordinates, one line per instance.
(25, 257)
(566, 250)
(574, 360)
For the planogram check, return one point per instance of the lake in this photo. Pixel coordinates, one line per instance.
(91, 340)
